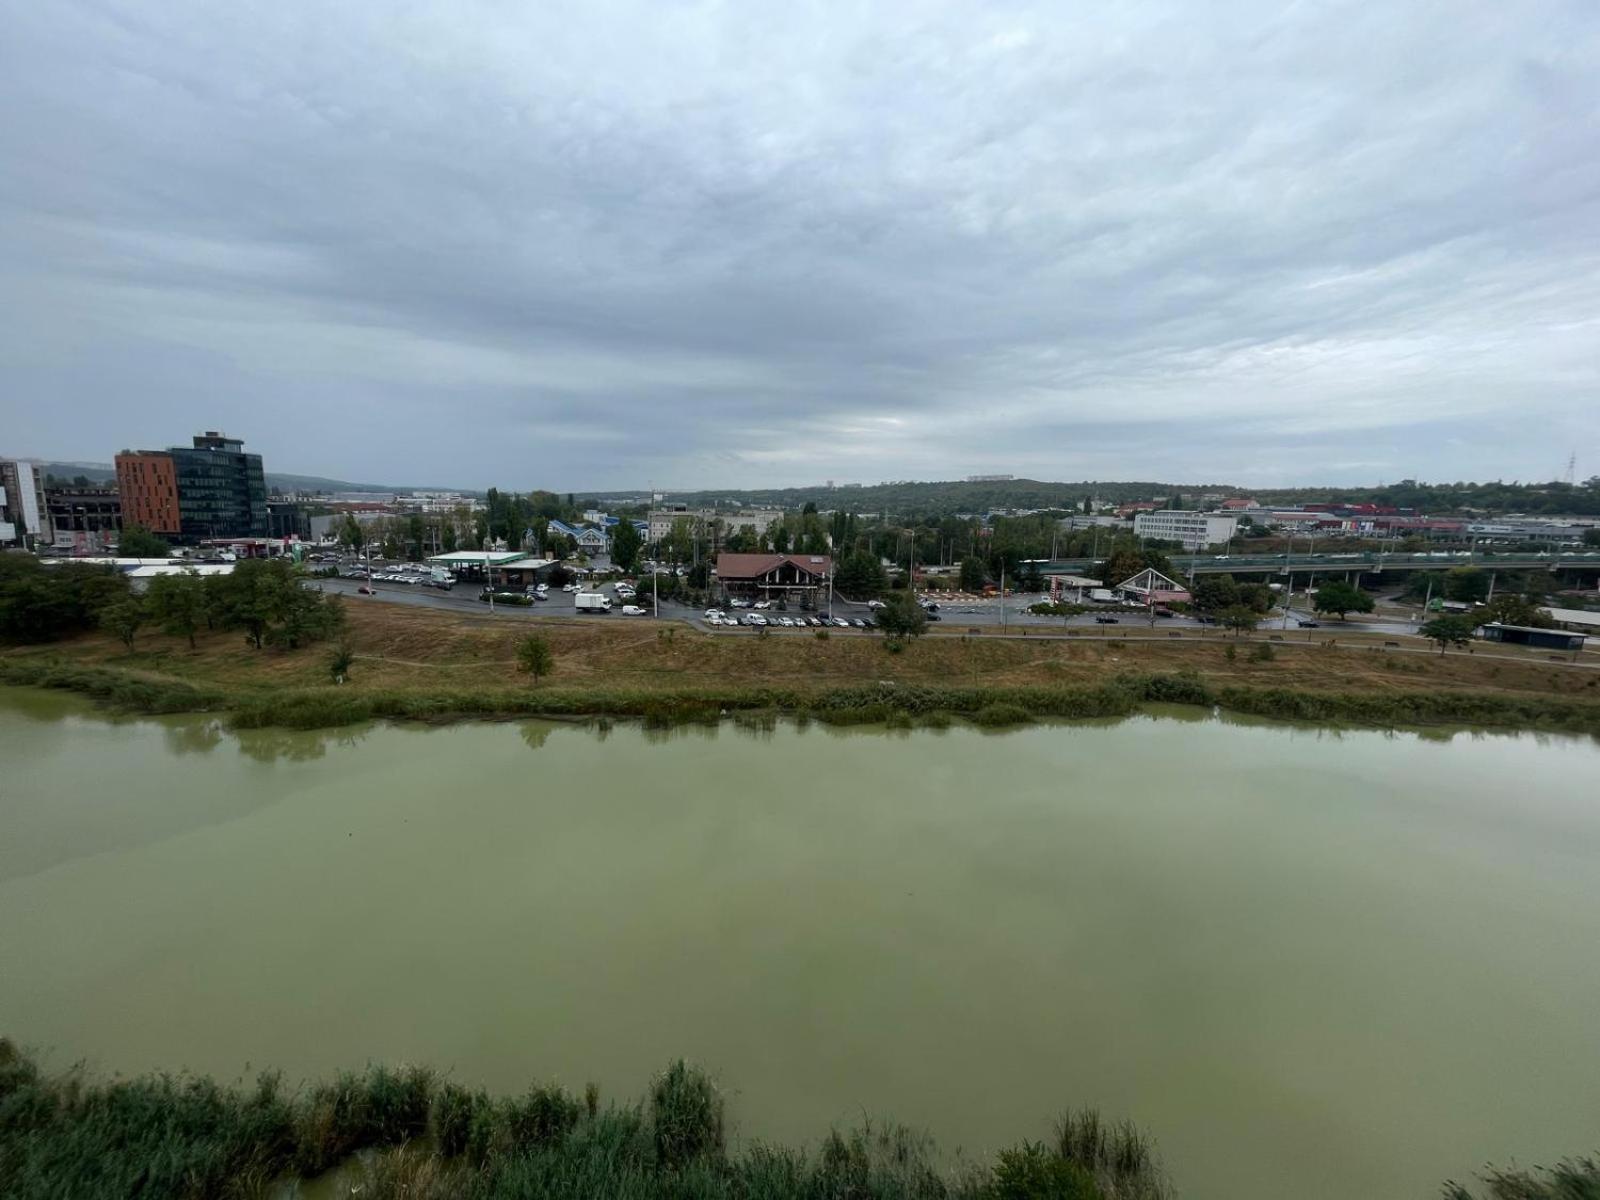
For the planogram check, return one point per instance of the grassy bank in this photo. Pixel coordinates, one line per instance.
(408, 1132)
(429, 665)
(884, 702)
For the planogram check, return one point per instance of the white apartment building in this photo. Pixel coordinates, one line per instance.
(760, 519)
(1196, 530)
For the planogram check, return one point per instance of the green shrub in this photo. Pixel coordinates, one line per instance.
(1031, 1172)
(686, 1116)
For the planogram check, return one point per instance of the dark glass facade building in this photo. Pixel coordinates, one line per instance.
(222, 492)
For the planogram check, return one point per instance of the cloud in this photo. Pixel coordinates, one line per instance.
(594, 245)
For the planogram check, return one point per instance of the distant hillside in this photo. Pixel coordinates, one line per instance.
(276, 481)
(917, 499)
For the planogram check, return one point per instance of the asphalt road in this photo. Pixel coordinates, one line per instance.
(953, 615)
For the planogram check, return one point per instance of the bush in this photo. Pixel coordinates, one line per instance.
(686, 1116)
(1031, 1172)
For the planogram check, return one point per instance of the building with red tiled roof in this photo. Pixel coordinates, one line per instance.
(774, 576)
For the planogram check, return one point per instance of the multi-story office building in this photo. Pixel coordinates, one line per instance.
(22, 502)
(1195, 530)
(212, 489)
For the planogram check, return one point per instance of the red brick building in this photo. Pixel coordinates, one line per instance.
(147, 481)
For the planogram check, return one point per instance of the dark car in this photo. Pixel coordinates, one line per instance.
(1107, 621)
(932, 616)
(1309, 624)
(364, 590)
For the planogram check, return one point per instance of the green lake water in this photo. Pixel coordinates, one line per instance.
(1310, 963)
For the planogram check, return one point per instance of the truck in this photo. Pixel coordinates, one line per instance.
(591, 602)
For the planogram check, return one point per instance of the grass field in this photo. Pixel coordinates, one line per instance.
(411, 652)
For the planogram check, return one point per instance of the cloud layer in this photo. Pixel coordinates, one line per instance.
(602, 244)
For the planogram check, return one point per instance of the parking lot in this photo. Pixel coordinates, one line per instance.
(409, 584)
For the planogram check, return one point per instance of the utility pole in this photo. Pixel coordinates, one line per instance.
(1002, 595)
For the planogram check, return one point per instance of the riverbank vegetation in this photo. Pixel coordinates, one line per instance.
(429, 665)
(409, 1132)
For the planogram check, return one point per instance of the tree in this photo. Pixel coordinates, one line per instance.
(1591, 538)
(1508, 608)
(534, 656)
(1239, 618)
(340, 661)
(350, 533)
(860, 576)
(123, 618)
(1257, 596)
(559, 576)
(973, 575)
(902, 616)
(1214, 593)
(1466, 583)
(625, 544)
(138, 542)
(1339, 596)
(177, 603)
(1449, 631)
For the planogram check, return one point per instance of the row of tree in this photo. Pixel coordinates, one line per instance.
(266, 599)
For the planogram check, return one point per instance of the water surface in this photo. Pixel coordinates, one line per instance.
(1312, 963)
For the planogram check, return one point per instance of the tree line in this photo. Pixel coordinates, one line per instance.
(266, 599)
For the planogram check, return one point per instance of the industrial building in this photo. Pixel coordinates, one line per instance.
(85, 520)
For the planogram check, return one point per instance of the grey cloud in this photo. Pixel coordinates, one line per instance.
(594, 245)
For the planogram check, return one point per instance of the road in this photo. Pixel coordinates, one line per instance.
(954, 615)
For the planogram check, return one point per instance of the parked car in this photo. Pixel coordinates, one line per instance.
(863, 623)
(841, 623)
(757, 619)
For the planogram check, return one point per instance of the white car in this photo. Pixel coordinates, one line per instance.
(632, 610)
(758, 620)
(762, 604)
(741, 603)
(841, 623)
(571, 587)
(874, 603)
(714, 614)
(786, 622)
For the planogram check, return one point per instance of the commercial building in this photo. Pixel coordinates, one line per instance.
(1195, 530)
(286, 519)
(774, 576)
(1527, 635)
(22, 502)
(212, 489)
(85, 520)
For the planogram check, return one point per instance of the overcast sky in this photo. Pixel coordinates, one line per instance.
(602, 244)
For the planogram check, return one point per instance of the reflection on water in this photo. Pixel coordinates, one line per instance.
(199, 736)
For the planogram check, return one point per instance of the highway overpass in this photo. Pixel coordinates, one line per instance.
(1366, 563)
